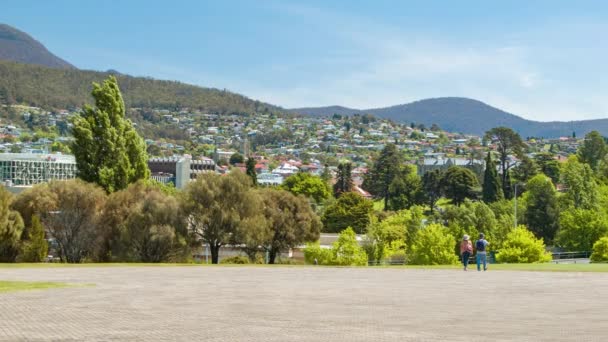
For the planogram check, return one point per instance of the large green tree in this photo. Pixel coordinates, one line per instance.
(542, 207)
(579, 229)
(507, 142)
(432, 187)
(593, 149)
(433, 245)
(217, 207)
(548, 165)
(251, 171)
(344, 180)
(492, 191)
(459, 183)
(350, 210)
(378, 180)
(405, 189)
(108, 150)
(308, 185)
(580, 184)
(11, 228)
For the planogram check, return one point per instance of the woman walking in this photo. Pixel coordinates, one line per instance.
(466, 249)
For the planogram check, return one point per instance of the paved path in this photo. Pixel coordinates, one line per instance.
(304, 304)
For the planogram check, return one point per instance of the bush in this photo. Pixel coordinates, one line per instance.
(433, 245)
(344, 252)
(36, 247)
(314, 251)
(522, 247)
(239, 259)
(600, 250)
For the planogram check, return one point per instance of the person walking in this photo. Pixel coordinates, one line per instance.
(466, 249)
(481, 246)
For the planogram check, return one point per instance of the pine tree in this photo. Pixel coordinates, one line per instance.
(382, 174)
(107, 148)
(344, 180)
(36, 247)
(251, 171)
(492, 191)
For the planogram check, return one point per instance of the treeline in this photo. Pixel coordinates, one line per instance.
(148, 222)
(70, 88)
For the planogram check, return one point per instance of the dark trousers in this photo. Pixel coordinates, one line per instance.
(465, 258)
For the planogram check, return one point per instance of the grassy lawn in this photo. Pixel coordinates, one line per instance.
(7, 286)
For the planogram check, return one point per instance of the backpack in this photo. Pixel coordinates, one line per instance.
(480, 245)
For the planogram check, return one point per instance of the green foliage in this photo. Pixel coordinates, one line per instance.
(549, 166)
(522, 247)
(388, 236)
(108, 150)
(459, 183)
(350, 210)
(313, 251)
(507, 142)
(236, 158)
(11, 228)
(385, 169)
(525, 170)
(237, 259)
(344, 180)
(542, 208)
(580, 229)
(492, 191)
(35, 248)
(404, 190)
(308, 185)
(593, 149)
(346, 250)
(471, 218)
(432, 187)
(600, 250)
(144, 225)
(433, 245)
(582, 189)
(251, 171)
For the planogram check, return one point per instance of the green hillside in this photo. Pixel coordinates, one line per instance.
(70, 88)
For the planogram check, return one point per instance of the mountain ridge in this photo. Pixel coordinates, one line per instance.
(18, 46)
(465, 115)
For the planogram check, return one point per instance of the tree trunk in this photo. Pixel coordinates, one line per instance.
(272, 255)
(215, 253)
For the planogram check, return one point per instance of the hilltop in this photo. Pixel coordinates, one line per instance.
(18, 46)
(457, 114)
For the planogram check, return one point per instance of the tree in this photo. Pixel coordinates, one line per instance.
(522, 247)
(492, 191)
(600, 250)
(389, 237)
(11, 228)
(548, 165)
(507, 142)
(144, 225)
(404, 190)
(344, 180)
(73, 218)
(108, 150)
(459, 183)
(581, 187)
(308, 185)
(217, 207)
(35, 247)
(382, 174)
(251, 171)
(236, 158)
(289, 222)
(36, 201)
(433, 245)
(525, 170)
(579, 229)
(593, 149)
(350, 210)
(346, 250)
(432, 187)
(542, 209)
(326, 174)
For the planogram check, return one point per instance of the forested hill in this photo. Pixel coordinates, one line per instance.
(457, 114)
(70, 88)
(18, 46)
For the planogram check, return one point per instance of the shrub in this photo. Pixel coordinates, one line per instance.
(522, 247)
(600, 250)
(344, 252)
(239, 259)
(314, 251)
(433, 245)
(36, 247)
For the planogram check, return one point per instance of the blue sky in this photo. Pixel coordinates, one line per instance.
(543, 60)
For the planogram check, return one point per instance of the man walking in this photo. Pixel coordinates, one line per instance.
(480, 246)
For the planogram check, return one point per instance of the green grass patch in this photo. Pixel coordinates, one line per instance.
(8, 286)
